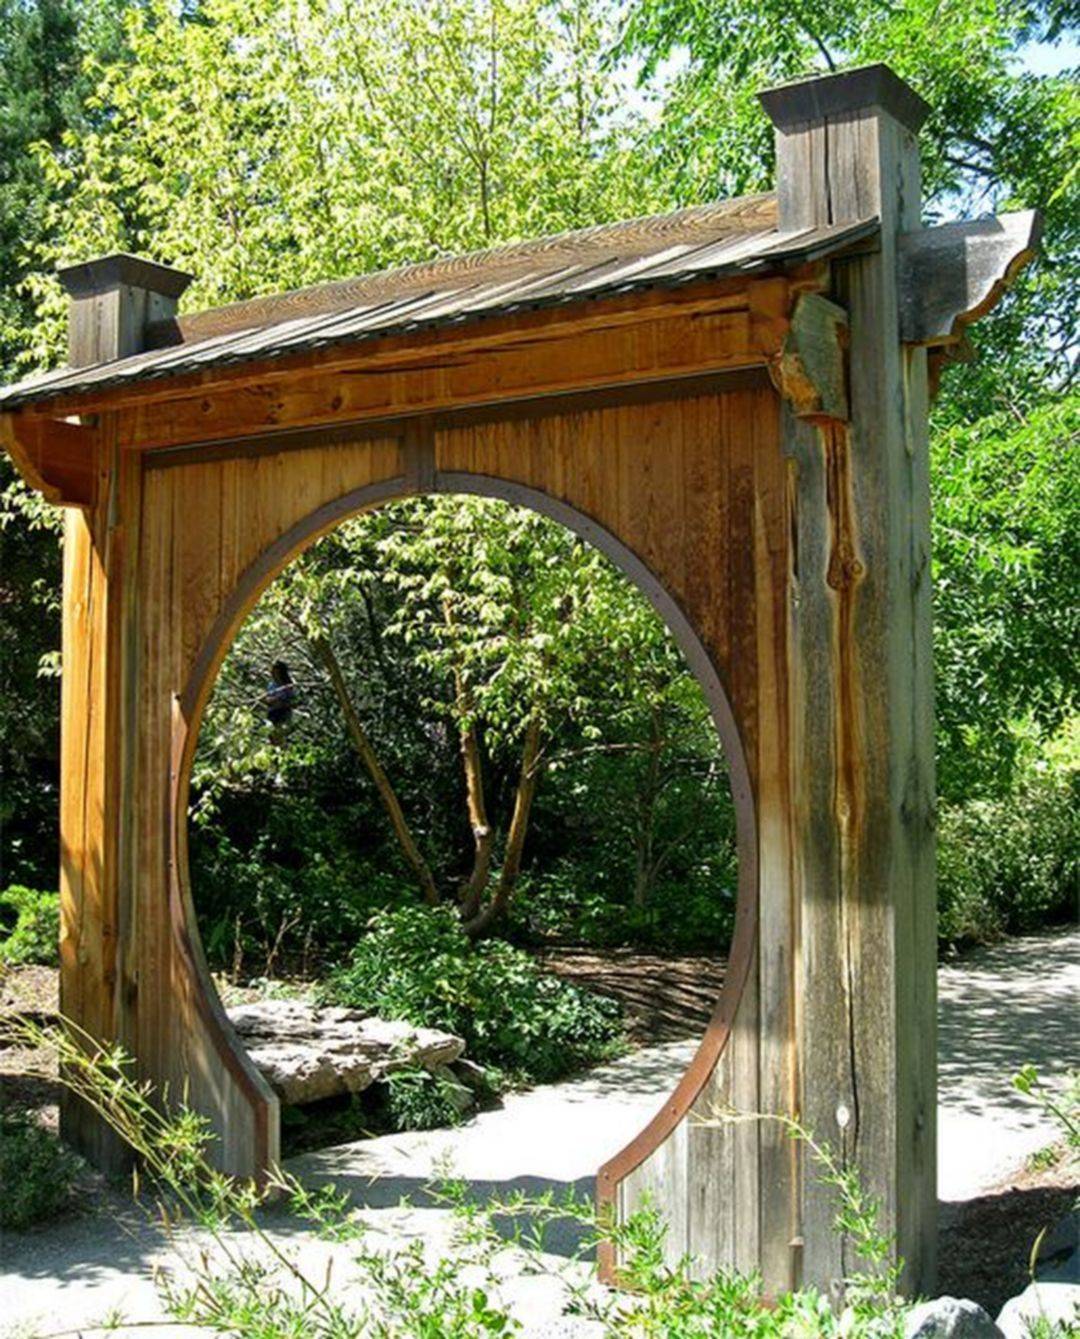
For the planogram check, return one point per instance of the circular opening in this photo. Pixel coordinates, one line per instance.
(394, 700)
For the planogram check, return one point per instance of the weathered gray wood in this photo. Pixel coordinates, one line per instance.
(951, 275)
(114, 301)
(811, 371)
(861, 705)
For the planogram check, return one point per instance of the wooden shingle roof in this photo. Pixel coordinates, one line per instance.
(663, 250)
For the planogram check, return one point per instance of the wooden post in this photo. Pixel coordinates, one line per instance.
(113, 302)
(862, 770)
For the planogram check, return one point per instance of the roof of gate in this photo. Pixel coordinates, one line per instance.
(660, 251)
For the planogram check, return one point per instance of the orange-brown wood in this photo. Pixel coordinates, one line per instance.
(781, 528)
(56, 458)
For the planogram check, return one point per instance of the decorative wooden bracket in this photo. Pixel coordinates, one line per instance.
(56, 458)
(952, 275)
(809, 369)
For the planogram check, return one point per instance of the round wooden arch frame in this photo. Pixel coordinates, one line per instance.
(252, 583)
(748, 442)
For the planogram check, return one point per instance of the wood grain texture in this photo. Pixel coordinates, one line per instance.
(863, 754)
(955, 273)
(784, 536)
(692, 491)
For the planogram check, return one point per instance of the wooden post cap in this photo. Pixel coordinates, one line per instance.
(91, 277)
(821, 96)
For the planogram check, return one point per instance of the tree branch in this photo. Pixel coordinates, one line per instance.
(515, 838)
(324, 653)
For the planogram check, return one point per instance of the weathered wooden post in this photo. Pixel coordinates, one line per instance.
(114, 302)
(732, 401)
(863, 770)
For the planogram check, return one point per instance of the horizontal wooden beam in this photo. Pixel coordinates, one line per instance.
(702, 339)
(952, 275)
(56, 458)
(400, 425)
(431, 347)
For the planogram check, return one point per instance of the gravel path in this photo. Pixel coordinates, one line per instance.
(1000, 1008)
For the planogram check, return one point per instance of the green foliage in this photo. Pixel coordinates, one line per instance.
(29, 926)
(315, 151)
(417, 1099)
(1009, 865)
(36, 1171)
(29, 656)
(1007, 568)
(1062, 1107)
(248, 1286)
(47, 53)
(457, 618)
(280, 884)
(417, 964)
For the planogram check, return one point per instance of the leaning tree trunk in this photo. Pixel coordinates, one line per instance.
(472, 891)
(324, 652)
(528, 778)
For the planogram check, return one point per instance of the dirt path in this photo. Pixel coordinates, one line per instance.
(664, 998)
(999, 1008)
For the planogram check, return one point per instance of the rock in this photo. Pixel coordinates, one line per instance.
(471, 1074)
(1057, 1303)
(949, 1318)
(1059, 1251)
(307, 1053)
(460, 1097)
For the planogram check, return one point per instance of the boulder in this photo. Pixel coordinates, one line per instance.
(1059, 1252)
(472, 1075)
(307, 1053)
(949, 1318)
(1056, 1303)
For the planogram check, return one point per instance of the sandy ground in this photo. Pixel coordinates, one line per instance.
(1000, 1008)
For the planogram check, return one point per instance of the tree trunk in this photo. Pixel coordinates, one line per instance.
(515, 838)
(472, 891)
(646, 834)
(324, 652)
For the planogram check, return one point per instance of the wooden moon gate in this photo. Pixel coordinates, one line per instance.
(733, 401)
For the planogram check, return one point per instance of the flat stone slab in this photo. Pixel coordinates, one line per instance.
(307, 1053)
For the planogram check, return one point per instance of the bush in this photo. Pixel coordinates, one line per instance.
(419, 1100)
(417, 964)
(36, 1171)
(29, 926)
(1008, 865)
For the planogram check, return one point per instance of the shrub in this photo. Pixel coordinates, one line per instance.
(1008, 865)
(419, 1100)
(29, 926)
(36, 1171)
(248, 1286)
(417, 964)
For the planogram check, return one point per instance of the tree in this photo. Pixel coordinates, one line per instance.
(47, 52)
(264, 145)
(513, 637)
(49, 55)
(1004, 482)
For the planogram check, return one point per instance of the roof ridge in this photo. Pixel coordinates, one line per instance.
(646, 233)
